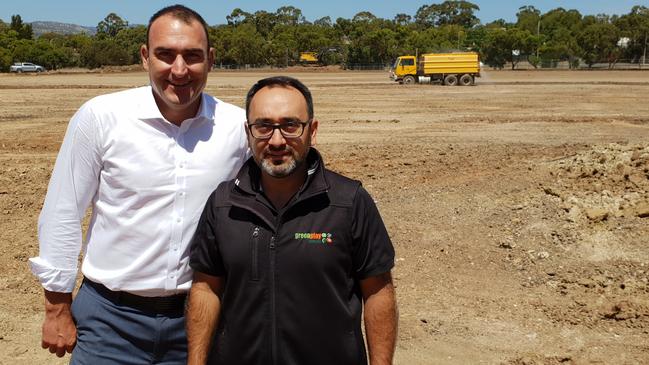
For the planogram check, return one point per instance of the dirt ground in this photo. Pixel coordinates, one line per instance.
(519, 208)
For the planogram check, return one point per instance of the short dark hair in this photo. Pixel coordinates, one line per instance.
(183, 13)
(281, 81)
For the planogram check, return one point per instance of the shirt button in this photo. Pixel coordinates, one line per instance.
(178, 220)
(171, 276)
(182, 193)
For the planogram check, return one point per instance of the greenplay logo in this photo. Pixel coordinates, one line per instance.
(322, 238)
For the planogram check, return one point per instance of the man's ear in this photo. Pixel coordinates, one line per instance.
(211, 56)
(314, 131)
(144, 56)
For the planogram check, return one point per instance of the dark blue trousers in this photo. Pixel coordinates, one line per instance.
(110, 333)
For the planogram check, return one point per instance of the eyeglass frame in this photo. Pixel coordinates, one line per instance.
(278, 126)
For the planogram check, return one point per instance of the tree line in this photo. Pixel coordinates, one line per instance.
(276, 38)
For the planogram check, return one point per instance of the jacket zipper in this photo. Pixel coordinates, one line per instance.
(273, 310)
(255, 254)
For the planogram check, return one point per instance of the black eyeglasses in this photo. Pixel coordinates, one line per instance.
(264, 130)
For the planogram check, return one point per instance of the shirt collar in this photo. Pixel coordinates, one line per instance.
(148, 109)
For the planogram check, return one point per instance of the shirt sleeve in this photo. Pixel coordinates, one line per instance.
(73, 185)
(373, 253)
(204, 253)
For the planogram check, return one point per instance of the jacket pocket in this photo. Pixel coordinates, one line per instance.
(254, 254)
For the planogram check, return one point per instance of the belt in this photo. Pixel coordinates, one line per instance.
(152, 305)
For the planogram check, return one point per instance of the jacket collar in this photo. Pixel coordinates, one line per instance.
(249, 177)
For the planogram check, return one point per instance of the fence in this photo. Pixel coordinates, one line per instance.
(557, 64)
(365, 67)
(522, 65)
(349, 66)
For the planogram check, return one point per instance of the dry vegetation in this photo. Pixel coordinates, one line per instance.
(519, 208)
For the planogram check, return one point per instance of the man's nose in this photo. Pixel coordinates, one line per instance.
(277, 139)
(179, 67)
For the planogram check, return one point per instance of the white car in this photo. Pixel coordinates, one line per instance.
(21, 67)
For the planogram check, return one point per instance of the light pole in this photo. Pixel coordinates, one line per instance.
(538, 33)
(644, 54)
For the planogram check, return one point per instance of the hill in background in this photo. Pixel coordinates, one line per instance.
(41, 27)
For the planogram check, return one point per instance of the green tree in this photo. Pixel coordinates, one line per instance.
(528, 18)
(264, 22)
(289, 15)
(323, 22)
(237, 17)
(24, 30)
(598, 42)
(131, 39)
(503, 45)
(23, 50)
(635, 26)
(110, 26)
(221, 37)
(282, 48)
(559, 29)
(46, 52)
(5, 59)
(104, 52)
(246, 45)
(402, 19)
(475, 38)
(494, 50)
(448, 13)
(559, 19)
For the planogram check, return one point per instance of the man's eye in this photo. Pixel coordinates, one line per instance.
(194, 58)
(264, 128)
(290, 126)
(165, 56)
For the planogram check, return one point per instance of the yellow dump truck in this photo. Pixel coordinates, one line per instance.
(447, 68)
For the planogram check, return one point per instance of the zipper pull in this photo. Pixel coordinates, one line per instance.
(255, 233)
(272, 243)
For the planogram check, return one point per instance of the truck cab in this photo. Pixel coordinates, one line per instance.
(404, 66)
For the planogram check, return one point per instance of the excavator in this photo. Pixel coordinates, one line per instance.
(318, 58)
(309, 58)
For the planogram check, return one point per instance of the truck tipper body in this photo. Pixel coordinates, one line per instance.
(447, 68)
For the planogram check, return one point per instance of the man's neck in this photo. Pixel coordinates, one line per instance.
(178, 116)
(280, 190)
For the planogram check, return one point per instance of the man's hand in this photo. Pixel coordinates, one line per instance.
(381, 318)
(59, 330)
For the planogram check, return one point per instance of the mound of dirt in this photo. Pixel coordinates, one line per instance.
(612, 181)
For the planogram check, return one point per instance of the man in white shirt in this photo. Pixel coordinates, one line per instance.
(145, 159)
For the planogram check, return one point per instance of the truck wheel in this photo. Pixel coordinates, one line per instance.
(39, 70)
(466, 80)
(20, 70)
(450, 80)
(409, 80)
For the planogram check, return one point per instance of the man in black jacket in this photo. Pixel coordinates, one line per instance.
(289, 256)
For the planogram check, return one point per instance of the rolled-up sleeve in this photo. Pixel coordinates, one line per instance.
(373, 253)
(72, 188)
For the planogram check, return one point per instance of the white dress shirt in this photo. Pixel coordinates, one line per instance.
(147, 181)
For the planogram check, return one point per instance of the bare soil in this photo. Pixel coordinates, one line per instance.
(519, 208)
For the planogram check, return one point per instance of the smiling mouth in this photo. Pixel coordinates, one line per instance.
(174, 84)
(276, 155)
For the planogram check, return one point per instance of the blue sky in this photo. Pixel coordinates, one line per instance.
(90, 12)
